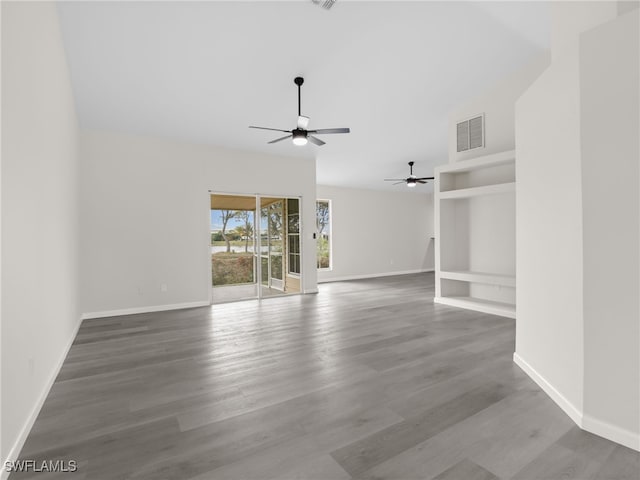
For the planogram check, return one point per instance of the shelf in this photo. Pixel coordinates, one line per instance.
(485, 161)
(478, 191)
(479, 305)
(479, 277)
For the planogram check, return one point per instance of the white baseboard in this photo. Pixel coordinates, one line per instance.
(584, 421)
(372, 275)
(147, 309)
(611, 432)
(16, 448)
(569, 408)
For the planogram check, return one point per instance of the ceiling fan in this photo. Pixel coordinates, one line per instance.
(411, 180)
(300, 134)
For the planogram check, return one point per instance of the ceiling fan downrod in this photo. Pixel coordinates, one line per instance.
(299, 81)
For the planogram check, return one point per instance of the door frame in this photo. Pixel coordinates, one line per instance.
(256, 257)
(256, 229)
(280, 282)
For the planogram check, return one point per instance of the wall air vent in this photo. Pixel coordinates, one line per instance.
(470, 133)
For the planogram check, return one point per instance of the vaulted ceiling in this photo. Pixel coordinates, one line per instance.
(204, 71)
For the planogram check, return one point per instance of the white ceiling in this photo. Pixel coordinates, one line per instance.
(204, 71)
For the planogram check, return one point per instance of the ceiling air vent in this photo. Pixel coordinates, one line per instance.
(326, 4)
(470, 133)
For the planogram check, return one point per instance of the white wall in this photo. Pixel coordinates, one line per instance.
(377, 233)
(145, 216)
(577, 222)
(497, 104)
(570, 19)
(39, 214)
(549, 333)
(609, 97)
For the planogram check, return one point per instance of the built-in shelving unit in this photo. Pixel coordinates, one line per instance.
(475, 228)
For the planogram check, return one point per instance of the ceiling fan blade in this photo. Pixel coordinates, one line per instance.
(330, 130)
(394, 179)
(398, 183)
(280, 139)
(420, 181)
(303, 122)
(315, 140)
(273, 129)
(425, 178)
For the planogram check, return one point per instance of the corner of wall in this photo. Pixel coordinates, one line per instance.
(40, 161)
(563, 231)
(610, 70)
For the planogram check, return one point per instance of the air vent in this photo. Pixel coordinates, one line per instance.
(470, 133)
(326, 4)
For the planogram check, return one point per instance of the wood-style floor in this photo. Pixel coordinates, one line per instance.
(234, 293)
(368, 379)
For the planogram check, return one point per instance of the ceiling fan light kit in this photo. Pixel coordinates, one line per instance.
(411, 180)
(300, 135)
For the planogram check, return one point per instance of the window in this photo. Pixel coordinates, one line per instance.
(293, 235)
(323, 226)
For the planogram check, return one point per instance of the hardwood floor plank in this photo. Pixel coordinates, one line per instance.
(467, 470)
(365, 454)
(559, 462)
(297, 459)
(582, 455)
(502, 438)
(622, 464)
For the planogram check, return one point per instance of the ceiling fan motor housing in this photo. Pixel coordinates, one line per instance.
(299, 133)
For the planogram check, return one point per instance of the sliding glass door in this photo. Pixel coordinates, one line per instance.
(255, 246)
(272, 242)
(233, 253)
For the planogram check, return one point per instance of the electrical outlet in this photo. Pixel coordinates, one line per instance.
(31, 365)
(163, 287)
